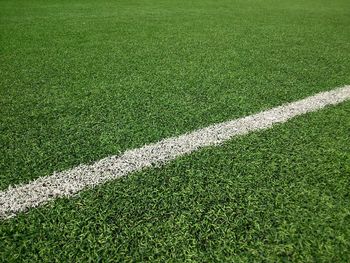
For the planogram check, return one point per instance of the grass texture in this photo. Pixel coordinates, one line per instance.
(81, 80)
(86, 79)
(280, 195)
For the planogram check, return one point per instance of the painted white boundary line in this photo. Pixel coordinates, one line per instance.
(67, 183)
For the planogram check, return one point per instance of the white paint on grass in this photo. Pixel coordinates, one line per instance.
(67, 183)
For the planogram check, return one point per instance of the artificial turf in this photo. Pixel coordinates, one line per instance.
(86, 79)
(81, 80)
(278, 195)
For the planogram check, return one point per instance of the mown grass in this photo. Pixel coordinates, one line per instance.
(274, 196)
(86, 79)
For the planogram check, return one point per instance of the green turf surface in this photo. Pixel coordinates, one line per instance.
(277, 195)
(81, 80)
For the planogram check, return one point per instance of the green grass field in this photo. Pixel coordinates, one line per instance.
(82, 80)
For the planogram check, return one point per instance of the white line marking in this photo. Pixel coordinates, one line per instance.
(67, 183)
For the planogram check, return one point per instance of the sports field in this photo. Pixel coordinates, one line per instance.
(85, 80)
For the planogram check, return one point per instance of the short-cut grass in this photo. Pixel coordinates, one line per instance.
(81, 80)
(276, 195)
(86, 79)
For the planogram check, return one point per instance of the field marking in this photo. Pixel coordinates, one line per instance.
(67, 183)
